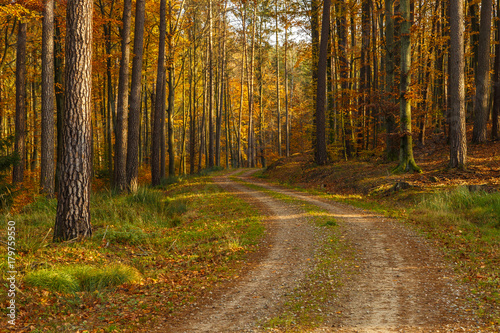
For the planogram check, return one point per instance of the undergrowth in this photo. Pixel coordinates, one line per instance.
(151, 254)
(467, 225)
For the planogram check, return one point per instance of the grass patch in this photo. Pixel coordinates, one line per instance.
(467, 225)
(77, 278)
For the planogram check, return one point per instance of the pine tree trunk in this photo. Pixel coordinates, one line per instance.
(495, 128)
(251, 135)
(134, 118)
(320, 151)
(406, 160)
(458, 141)
(120, 173)
(73, 206)
(159, 118)
(278, 98)
(210, 88)
(20, 140)
(47, 159)
(482, 75)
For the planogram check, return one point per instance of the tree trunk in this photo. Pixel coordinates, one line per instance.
(73, 206)
(159, 119)
(406, 160)
(251, 135)
(458, 141)
(287, 115)
(134, 118)
(320, 151)
(120, 173)
(278, 107)
(390, 122)
(482, 75)
(495, 129)
(47, 158)
(210, 88)
(20, 140)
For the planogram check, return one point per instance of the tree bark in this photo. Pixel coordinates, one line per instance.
(321, 156)
(134, 118)
(482, 75)
(20, 137)
(120, 173)
(159, 119)
(458, 141)
(495, 128)
(47, 158)
(406, 160)
(73, 206)
(278, 107)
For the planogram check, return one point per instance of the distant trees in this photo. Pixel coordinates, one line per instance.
(209, 91)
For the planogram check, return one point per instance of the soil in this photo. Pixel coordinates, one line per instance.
(401, 283)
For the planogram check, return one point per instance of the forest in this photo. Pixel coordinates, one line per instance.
(129, 99)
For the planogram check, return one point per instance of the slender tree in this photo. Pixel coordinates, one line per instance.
(320, 149)
(73, 206)
(48, 123)
(482, 74)
(20, 124)
(458, 141)
(135, 99)
(406, 160)
(120, 175)
(159, 110)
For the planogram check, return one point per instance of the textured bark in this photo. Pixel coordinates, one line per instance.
(20, 124)
(134, 116)
(406, 160)
(278, 107)
(159, 118)
(73, 206)
(194, 103)
(482, 75)
(211, 137)
(287, 111)
(120, 173)
(495, 128)
(315, 5)
(251, 135)
(458, 143)
(48, 123)
(320, 149)
(390, 123)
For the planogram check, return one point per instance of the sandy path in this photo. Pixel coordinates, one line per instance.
(258, 296)
(403, 284)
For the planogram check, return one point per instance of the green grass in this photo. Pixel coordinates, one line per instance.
(77, 278)
(467, 226)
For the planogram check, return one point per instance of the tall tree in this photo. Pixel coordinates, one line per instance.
(211, 136)
(47, 158)
(278, 107)
(135, 99)
(159, 110)
(390, 123)
(458, 141)
(119, 175)
(406, 160)
(73, 206)
(495, 128)
(20, 124)
(482, 74)
(320, 149)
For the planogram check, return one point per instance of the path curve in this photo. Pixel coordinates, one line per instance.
(403, 284)
(259, 294)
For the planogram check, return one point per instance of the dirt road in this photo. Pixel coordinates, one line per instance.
(402, 283)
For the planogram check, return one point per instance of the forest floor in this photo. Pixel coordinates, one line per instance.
(348, 247)
(383, 277)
